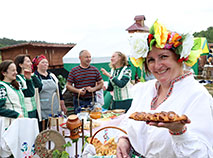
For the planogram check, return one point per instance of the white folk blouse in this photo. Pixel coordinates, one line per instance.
(187, 97)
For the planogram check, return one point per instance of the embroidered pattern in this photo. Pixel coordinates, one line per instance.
(27, 151)
(3, 93)
(153, 106)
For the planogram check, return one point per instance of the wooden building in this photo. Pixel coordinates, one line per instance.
(53, 52)
(139, 25)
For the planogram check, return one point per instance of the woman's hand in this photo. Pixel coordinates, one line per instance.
(20, 116)
(105, 72)
(27, 74)
(173, 126)
(123, 148)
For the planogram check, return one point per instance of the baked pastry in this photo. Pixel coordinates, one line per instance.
(106, 149)
(158, 117)
(97, 143)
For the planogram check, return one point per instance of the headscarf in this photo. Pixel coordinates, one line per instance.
(36, 61)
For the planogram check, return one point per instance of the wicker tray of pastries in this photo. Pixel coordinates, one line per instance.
(158, 117)
(104, 149)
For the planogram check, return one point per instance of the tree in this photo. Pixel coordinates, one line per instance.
(208, 34)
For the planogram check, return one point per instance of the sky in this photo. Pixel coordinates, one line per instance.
(70, 21)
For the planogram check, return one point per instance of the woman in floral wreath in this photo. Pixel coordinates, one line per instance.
(163, 53)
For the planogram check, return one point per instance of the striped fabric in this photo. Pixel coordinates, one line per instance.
(83, 77)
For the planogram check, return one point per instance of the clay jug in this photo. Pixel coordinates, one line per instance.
(73, 124)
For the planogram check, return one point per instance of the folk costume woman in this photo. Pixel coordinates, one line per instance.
(119, 81)
(12, 103)
(50, 87)
(164, 53)
(23, 62)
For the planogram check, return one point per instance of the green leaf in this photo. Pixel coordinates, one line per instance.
(85, 139)
(56, 154)
(68, 144)
(64, 154)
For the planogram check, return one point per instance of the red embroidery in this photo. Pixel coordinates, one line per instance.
(153, 106)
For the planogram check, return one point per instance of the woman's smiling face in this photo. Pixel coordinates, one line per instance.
(163, 64)
(10, 74)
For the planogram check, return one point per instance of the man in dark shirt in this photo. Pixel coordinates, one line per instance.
(84, 80)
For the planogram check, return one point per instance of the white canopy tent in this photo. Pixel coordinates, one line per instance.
(101, 45)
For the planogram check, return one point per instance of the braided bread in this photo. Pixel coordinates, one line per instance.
(108, 148)
(158, 117)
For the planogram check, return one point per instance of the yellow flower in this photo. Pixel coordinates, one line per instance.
(161, 34)
(137, 62)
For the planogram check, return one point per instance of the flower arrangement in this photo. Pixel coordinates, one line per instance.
(181, 44)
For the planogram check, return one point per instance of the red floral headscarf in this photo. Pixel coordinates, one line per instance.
(36, 61)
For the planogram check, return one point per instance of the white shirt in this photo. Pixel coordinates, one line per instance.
(187, 97)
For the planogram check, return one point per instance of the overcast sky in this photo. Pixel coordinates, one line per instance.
(69, 21)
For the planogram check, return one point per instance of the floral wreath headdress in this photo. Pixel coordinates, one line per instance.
(141, 44)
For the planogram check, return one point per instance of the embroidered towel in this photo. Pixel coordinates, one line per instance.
(20, 137)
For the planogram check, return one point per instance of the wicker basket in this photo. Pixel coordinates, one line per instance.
(55, 121)
(114, 127)
(93, 137)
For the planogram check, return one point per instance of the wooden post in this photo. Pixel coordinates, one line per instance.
(90, 123)
(82, 131)
(57, 123)
(76, 149)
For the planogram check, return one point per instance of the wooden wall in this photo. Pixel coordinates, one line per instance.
(53, 54)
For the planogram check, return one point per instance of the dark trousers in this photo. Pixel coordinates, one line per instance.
(80, 103)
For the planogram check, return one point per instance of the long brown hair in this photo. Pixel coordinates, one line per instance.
(123, 60)
(3, 68)
(19, 59)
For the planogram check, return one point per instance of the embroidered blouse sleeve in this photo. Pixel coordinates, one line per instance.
(197, 140)
(124, 80)
(3, 110)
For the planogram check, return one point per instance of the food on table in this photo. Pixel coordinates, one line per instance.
(110, 115)
(118, 111)
(106, 149)
(94, 125)
(95, 115)
(158, 117)
(97, 143)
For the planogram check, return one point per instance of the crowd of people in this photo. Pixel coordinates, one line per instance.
(28, 89)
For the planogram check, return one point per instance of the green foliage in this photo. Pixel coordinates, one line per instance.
(4, 42)
(57, 154)
(68, 144)
(208, 34)
(62, 81)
